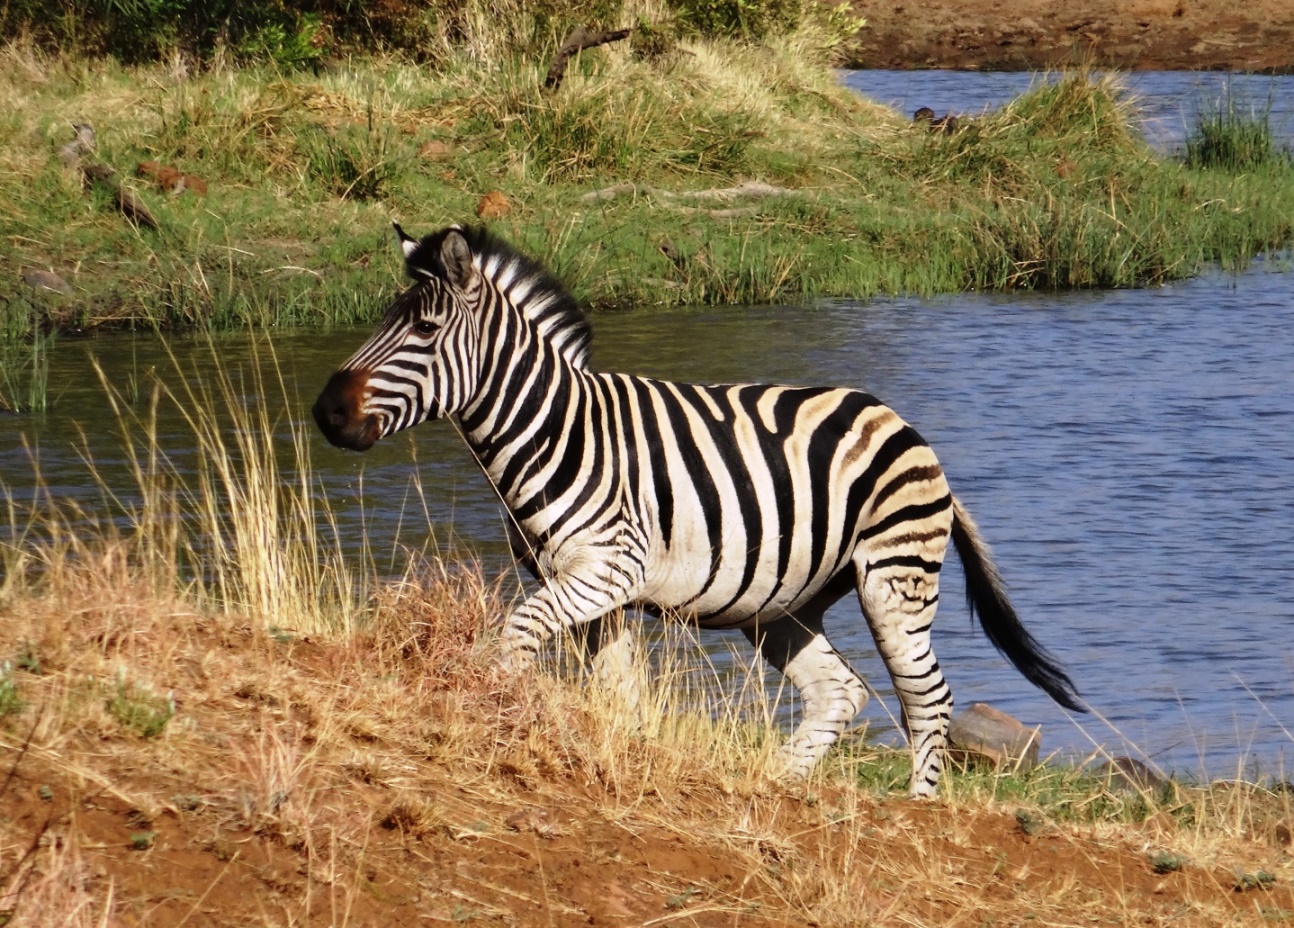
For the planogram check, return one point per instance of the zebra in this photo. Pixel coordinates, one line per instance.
(738, 506)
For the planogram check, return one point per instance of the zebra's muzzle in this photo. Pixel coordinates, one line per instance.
(339, 412)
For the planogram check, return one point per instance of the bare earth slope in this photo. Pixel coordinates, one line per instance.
(1253, 35)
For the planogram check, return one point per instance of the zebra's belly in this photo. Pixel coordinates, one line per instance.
(737, 590)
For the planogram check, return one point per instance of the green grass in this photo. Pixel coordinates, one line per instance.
(1059, 794)
(305, 172)
(1230, 136)
(11, 702)
(140, 710)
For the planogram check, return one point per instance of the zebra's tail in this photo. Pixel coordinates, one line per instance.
(986, 594)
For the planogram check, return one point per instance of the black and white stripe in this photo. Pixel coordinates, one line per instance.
(743, 506)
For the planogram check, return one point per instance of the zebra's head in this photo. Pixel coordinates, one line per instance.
(425, 361)
(414, 367)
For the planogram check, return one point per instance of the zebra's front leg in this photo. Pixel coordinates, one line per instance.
(570, 597)
(831, 693)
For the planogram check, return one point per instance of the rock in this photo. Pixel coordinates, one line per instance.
(434, 150)
(45, 280)
(1130, 775)
(985, 733)
(169, 178)
(494, 205)
(70, 154)
(134, 208)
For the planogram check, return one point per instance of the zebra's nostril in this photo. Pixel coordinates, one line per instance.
(337, 416)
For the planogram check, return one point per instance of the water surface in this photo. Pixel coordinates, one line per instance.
(1168, 102)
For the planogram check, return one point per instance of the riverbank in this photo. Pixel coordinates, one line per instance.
(170, 763)
(212, 714)
(1013, 35)
(719, 173)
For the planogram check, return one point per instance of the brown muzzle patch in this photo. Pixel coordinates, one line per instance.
(338, 412)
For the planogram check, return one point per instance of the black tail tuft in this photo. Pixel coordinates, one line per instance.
(986, 595)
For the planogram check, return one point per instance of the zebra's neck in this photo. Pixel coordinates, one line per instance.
(520, 409)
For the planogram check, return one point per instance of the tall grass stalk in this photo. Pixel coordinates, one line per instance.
(24, 372)
(1230, 136)
(243, 526)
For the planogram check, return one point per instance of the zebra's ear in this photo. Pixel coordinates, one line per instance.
(456, 256)
(407, 245)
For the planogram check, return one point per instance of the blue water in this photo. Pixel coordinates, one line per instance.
(1167, 102)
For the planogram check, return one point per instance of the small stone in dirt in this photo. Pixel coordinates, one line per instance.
(1029, 823)
(142, 840)
(988, 734)
(494, 205)
(46, 794)
(1260, 880)
(532, 819)
(1167, 861)
(434, 150)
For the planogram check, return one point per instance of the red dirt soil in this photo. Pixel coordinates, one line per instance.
(1253, 35)
(568, 865)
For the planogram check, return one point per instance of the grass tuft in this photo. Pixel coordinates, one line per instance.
(140, 710)
(1230, 136)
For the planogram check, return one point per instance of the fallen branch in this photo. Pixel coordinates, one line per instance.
(735, 213)
(579, 39)
(610, 193)
(746, 189)
(96, 172)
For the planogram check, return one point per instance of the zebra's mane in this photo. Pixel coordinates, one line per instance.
(524, 282)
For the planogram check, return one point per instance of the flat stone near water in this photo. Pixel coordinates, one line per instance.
(987, 734)
(45, 280)
(1131, 775)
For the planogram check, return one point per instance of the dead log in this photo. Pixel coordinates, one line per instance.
(579, 39)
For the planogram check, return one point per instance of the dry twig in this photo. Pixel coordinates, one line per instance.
(579, 39)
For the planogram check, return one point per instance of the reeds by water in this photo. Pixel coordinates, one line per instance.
(1229, 135)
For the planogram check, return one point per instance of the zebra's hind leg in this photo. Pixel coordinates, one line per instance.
(831, 693)
(899, 600)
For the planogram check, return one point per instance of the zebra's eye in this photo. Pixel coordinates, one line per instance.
(425, 327)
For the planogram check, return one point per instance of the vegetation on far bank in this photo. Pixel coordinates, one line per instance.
(305, 168)
(208, 715)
